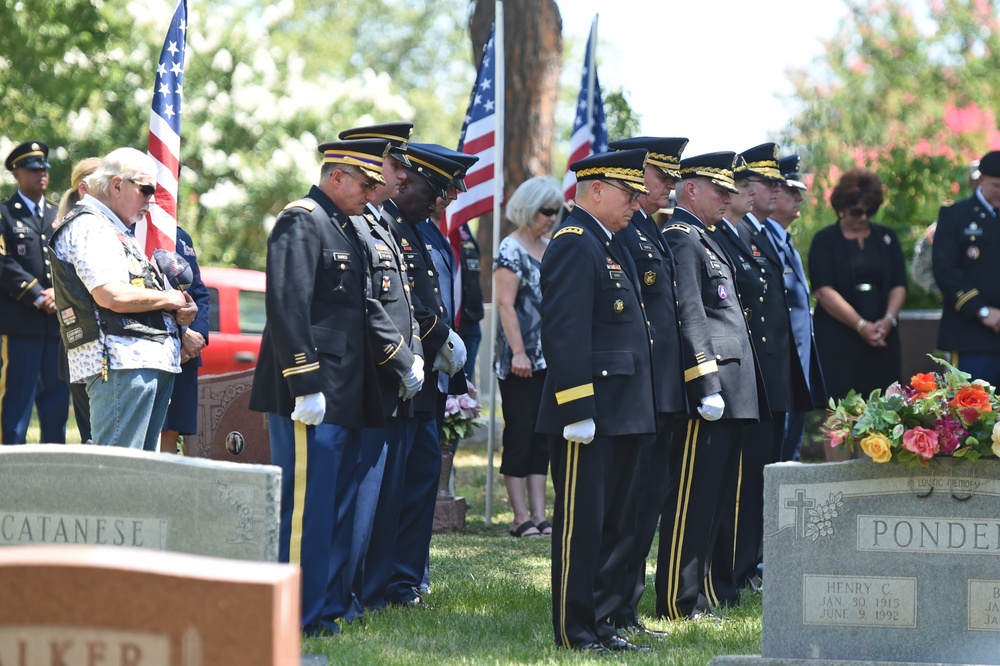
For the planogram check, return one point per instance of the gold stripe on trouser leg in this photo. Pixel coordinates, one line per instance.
(710, 593)
(736, 518)
(680, 517)
(299, 492)
(4, 365)
(569, 522)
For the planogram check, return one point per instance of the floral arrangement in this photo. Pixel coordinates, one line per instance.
(937, 415)
(461, 413)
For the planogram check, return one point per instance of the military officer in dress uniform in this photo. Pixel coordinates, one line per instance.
(966, 248)
(401, 375)
(597, 400)
(786, 211)
(29, 332)
(655, 268)
(316, 376)
(401, 536)
(722, 381)
(760, 282)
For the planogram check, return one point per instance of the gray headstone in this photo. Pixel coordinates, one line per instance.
(98, 495)
(872, 562)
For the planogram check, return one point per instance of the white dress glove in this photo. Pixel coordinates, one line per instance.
(712, 407)
(459, 353)
(309, 409)
(451, 357)
(413, 380)
(581, 431)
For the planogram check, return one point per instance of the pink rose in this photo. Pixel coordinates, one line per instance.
(451, 406)
(837, 437)
(921, 441)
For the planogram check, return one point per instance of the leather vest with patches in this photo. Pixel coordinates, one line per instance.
(81, 319)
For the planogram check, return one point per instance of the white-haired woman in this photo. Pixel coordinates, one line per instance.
(519, 363)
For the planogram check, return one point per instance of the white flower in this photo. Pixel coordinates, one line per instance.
(996, 440)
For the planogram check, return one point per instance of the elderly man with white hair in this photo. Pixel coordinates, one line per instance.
(118, 317)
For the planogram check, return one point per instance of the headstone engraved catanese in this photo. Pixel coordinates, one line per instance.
(881, 563)
(92, 495)
(98, 605)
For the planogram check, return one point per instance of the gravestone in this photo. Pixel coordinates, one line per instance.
(881, 563)
(89, 605)
(227, 429)
(98, 495)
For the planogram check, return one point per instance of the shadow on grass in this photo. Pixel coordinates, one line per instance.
(491, 604)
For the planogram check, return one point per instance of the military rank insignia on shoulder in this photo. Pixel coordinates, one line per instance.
(569, 230)
(677, 227)
(307, 204)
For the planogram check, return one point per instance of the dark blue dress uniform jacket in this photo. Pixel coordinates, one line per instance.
(655, 271)
(595, 336)
(198, 290)
(315, 337)
(390, 309)
(428, 308)
(718, 356)
(965, 256)
(759, 274)
(24, 269)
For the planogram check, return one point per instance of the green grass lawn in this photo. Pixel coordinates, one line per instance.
(491, 603)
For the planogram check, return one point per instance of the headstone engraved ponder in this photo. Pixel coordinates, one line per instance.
(869, 563)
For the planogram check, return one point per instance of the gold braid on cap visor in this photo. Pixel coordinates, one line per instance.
(621, 173)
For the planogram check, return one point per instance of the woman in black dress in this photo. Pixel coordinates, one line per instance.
(858, 275)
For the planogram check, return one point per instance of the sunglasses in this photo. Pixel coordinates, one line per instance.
(633, 196)
(858, 211)
(145, 188)
(369, 187)
(548, 212)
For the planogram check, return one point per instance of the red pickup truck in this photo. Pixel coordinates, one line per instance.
(236, 320)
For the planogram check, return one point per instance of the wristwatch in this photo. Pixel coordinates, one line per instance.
(984, 312)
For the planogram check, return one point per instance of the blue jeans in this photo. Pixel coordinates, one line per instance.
(128, 410)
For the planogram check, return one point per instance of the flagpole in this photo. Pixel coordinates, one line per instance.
(592, 73)
(498, 143)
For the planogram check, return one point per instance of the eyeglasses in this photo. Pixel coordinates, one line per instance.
(548, 212)
(858, 211)
(145, 188)
(769, 183)
(633, 196)
(369, 186)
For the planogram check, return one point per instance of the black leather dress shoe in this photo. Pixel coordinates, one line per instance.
(619, 644)
(412, 602)
(593, 648)
(708, 616)
(640, 628)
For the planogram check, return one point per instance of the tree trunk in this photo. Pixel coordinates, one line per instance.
(533, 59)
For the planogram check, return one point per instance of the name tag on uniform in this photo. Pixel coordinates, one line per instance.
(647, 247)
(617, 275)
(341, 256)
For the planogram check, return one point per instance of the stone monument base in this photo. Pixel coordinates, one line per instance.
(449, 515)
(771, 661)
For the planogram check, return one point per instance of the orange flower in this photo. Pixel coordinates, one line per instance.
(923, 382)
(972, 396)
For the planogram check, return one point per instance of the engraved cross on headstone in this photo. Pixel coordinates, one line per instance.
(800, 504)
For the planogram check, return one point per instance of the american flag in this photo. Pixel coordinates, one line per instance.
(479, 138)
(590, 135)
(159, 229)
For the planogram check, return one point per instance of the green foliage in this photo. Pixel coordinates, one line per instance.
(623, 121)
(908, 96)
